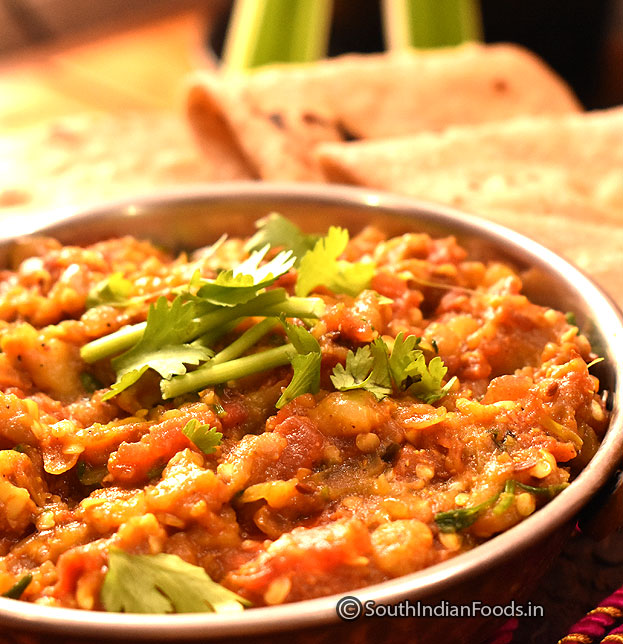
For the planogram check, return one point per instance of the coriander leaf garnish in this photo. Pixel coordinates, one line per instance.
(18, 588)
(320, 266)
(162, 346)
(301, 338)
(162, 583)
(402, 359)
(186, 322)
(113, 290)
(206, 438)
(277, 231)
(373, 369)
(357, 369)
(306, 364)
(227, 365)
(250, 267)
(243, 283)
(506, 499)
(306, 378)
(124, 381)
(367, 369)
(410, 371)
(210, 318)
(428, 388)
(213, 374)
(380, 382)
(179, 334)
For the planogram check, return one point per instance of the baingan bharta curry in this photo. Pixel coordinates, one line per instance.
(272, 419)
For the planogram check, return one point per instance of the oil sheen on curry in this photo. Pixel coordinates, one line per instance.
(272, 419)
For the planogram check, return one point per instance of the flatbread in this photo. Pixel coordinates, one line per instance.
(277, 115)
(558, 180)
(84, 159)
(538, 165)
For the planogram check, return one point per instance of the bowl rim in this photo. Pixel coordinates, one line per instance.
(416, 585)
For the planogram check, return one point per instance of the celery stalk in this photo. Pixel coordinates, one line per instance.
(267, 31)
(430, 23)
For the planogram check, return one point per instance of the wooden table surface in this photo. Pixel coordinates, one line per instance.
(142, 66)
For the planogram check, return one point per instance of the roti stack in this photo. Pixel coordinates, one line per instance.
(557, 179)
(275, 117)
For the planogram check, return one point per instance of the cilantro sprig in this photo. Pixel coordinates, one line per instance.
(162, 583)
(278, 232)
(177, 338)
(218, 370)
(305, 364)
(461, 518)
(161, 347)
(366, 369)
(206, 438)
(174, 335)
(244, 282)
(234, 294)
(317, 258)
(321, 266)
(374, 369)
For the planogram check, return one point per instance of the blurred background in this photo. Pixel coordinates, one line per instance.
(581, 39)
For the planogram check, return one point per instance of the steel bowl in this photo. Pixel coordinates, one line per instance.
(502, 570)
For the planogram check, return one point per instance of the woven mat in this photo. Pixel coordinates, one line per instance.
(585, 575)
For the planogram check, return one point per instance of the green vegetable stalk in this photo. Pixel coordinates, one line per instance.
(269, 31)
(210, 374)
(430, 23)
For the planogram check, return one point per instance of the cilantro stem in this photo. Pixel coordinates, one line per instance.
(297, 307)
(214, 374)
(210, 338)
(116, 342)
(245, 341)
(273, 302)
